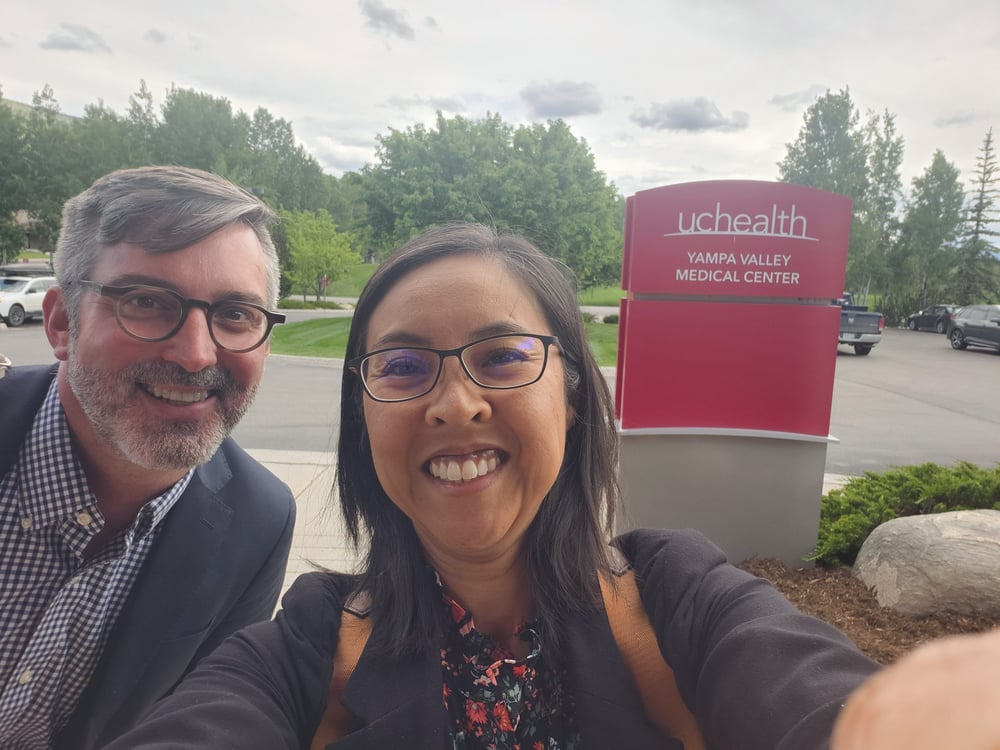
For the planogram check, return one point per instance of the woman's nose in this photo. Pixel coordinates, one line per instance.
(457, 398)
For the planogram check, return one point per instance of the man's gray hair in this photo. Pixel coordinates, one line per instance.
(161, 209)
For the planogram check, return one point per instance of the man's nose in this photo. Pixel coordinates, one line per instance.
(192, 347)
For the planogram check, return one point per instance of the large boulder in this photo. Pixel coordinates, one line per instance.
(920, 565)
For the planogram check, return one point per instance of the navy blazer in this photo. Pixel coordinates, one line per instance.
(217, 565)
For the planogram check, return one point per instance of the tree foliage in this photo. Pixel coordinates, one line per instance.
(909, 251)
(835, 151)
(48, 157)
(926, 251)
(983, 210)
(977, 276)
(830, 151)
(318, 251)
(538, 180)
(13, 181)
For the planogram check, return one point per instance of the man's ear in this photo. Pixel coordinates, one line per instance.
(56, 319)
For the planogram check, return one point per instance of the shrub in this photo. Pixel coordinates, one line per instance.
(849, 514)
(588, 317)
(611, 319)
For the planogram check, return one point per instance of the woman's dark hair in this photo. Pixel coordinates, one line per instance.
(567, 541)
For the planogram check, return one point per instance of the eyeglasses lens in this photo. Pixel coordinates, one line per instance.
(497, 362)
(153, 314)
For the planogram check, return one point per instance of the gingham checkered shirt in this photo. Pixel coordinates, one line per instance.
(57, 607)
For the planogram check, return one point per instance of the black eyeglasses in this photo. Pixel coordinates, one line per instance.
(500, 362)
(151, 313)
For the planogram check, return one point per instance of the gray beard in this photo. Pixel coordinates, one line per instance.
(107, 397)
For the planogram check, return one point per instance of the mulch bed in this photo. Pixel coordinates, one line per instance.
(836, 596)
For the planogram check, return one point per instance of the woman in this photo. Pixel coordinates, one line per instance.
(477, 470)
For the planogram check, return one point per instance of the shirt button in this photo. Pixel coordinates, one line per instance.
(26, 523)
(24, 678)
(84, 518)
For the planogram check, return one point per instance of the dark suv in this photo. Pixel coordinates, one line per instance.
(975, 325)
(933, 318)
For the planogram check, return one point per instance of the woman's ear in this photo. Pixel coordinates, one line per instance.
(56, 321)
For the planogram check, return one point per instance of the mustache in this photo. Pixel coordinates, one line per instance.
(168, 373)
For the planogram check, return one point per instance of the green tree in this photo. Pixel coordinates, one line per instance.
(977, 275)
(983, 211)
(538, 180)
(52, 173)
(347, 207)
(200, 130)
(926, 252)
(276, 165)
(142, 126)
(876, 212)
(13, 174)
(318, 251)
(830, 151)
(101, 142)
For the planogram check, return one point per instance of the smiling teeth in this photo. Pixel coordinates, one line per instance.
(464, 469)
(185, 397)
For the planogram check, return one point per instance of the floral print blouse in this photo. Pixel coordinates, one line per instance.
(498, 702)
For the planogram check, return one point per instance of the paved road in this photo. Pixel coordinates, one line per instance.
(912, 400)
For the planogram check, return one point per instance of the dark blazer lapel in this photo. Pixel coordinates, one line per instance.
(173, 603)
(399, 702)
(22, 392)
(608, 707)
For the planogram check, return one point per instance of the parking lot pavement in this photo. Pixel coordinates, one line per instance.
(319, 538)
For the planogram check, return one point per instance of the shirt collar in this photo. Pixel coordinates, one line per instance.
(52, 482)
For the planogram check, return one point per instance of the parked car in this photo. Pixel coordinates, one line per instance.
(975, 325)
(933, 318)
(29, 268)
(21, 297)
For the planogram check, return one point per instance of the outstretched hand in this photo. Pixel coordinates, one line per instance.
(944, 694)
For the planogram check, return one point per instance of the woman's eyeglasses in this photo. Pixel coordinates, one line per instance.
(499, 362)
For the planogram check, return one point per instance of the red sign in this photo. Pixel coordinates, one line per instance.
(728, 322)
(727, 365)
(737, 238)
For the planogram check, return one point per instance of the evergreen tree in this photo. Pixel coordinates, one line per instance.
(926, 253)
(977, 275)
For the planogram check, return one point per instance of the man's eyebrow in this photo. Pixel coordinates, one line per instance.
(133, 279)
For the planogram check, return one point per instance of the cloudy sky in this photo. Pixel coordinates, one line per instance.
(663, 91)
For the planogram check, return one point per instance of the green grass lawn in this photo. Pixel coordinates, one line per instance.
(351, 283)
(327, 337)
(602, 296)
(323, 337)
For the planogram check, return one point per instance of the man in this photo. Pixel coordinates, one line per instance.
(134, 534)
